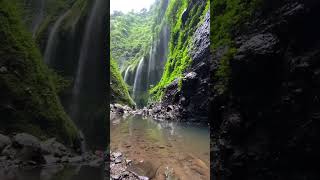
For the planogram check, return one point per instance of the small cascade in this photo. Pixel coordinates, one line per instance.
(38, 17)
(158, 56)
(126, 75)
(137, 79)
(151, 66)
(52, 43)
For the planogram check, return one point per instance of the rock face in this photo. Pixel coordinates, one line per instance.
(268, 128)
(189, 95)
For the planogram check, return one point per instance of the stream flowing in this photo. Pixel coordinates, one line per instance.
(161, 147)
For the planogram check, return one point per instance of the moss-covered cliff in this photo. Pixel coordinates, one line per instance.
(183, 17)
(265, 105)
(119, 91)
(29, 90)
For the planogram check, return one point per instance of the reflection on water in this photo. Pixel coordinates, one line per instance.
(54, 173)
(184, 148)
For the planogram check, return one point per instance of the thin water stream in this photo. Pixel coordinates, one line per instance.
(161, 147)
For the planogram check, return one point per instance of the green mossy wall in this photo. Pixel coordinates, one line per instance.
(29, 90)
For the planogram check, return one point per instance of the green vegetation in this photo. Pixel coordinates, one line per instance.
(130, 36)
(227, 17)
(119, 91)
(223, 72)
(29, 101)
(182, 30)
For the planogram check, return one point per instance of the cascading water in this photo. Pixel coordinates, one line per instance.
(151, 66)
(52, 43)
(126, 75)
(137, 79)
(88, 39)
(158, 56)
(38, 17)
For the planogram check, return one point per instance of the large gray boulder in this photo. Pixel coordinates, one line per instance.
(24, 139)
(51, 146)
(28, 148)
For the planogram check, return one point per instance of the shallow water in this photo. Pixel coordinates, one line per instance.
(161, 148)
(54, 173)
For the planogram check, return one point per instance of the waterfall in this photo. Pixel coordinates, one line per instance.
(38, 18)
(89, 38)
(51, 47)
(137, 78)
(151, 66)
(158, 56)
(126, 75)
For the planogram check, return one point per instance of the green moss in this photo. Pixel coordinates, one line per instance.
(119, 91)
(29, 89)
(180, 41)
(227, 17)
(223, 73)
(130, 35)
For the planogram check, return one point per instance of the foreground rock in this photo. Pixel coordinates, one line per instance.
(120, 168)
(26, 151)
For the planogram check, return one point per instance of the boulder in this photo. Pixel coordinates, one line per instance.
(27, 148)
(51, 146)
(4, 141)
(24, 139)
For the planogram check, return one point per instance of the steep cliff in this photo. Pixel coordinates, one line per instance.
(265, 103)
(185, 82)
(29, 90)
(72, 39)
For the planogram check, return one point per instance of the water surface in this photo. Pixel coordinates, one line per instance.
(158, 148)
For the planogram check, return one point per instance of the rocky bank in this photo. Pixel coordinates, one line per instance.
(24, 151)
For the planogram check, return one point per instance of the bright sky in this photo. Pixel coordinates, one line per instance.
(127, 5)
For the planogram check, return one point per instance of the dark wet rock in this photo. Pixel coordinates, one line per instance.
(27, 151)
(184, 16)
(4, 141)
(51, 159)
(266, 126)
(201, 41)
(51, 146)
(189, 95)
(65, 159)
(9, 151)
(30, 153)
(23, 140)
